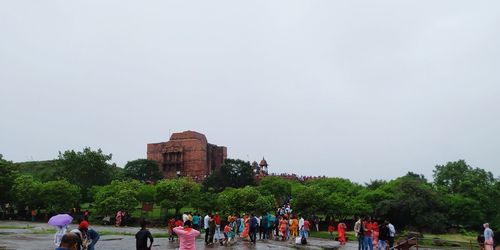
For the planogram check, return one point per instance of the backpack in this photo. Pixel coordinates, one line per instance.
(303, 241)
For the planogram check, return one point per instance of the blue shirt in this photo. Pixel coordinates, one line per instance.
(488, 234)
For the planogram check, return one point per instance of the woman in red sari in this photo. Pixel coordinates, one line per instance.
(375, 234)
(118, 218)
(246, 221)
(283, 224)
(341, 229)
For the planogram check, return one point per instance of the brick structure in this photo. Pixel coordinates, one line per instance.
(187, 154)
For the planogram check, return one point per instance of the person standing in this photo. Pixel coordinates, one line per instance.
(196, 221)
(171, 226)
(392, 233)
(383, 237)
(307, 228)
(141, 238)
(254, 224)
(81, 233)
(341, 227)
(488, 237)
(187, 236)
(301, 226)
(185, 217)
(294, 225)
(118, 218)
(368, 232)
(61, 231)
(263, 227)
(206, 222)
(358, 229)
(217, 221)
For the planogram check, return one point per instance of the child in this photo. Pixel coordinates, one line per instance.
(171, 225)
(226, 234)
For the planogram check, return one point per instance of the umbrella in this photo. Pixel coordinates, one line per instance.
(60, 220)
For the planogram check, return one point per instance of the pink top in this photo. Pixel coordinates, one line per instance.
(187, 239)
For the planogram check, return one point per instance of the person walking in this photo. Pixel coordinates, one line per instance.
(488, 237)
(307, 228)
(263, 227)
(301, 226)
(294, 226)
(368, 232)
(61, 231)
(392, 233)
(358, 229)
(81, 233)
(383, 237)
(211, 229)
(196, 221)
(206, 222)
(253, 225)
(217, 221)
(187, 236)
(171, 226)
(141, 238)
(341, 227)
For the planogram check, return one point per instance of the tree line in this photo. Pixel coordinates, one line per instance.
(458, 197)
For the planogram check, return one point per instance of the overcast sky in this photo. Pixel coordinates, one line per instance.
(357, 89)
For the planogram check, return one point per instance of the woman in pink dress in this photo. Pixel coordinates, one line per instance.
(118, 219)
(187, 236)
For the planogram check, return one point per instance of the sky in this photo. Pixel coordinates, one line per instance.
(355, 89)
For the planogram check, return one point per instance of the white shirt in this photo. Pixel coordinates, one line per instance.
(206, 220)
(185, 217)
(301, 223)
(392, 230)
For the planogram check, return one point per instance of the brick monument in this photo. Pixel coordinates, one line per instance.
(187, 154)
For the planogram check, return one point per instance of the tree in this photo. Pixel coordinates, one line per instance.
(119, 195)
(86, 168)
(232, 173)
(247, 199)
(26, 191)
(468, 192)
(309, 200)
(59, 196)
(7, 176)
(143, 170)
(280, 188)
(176, 193)
(146, 193)
(414, 203)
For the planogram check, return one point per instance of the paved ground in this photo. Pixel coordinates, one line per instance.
(27, 235)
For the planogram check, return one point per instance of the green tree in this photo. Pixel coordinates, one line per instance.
(143, 170)
(86, 169)
(232, 173)
(26, 191)
(146, 193)
(205, 201)
(247, 199)
(309, 200)
(59, 196)
(176, 193)
(280, 188)
(468, 193)
(119, 195)
(7, 176)
(414, 203)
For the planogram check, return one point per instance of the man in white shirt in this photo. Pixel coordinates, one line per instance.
(301, 226)
(392, 233)
(185, 217)
(206, 221)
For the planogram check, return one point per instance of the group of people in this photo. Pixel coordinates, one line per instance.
(283, 225)
(81, 238)
(371, 235)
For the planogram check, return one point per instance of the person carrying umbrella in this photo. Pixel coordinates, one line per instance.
(61, 222)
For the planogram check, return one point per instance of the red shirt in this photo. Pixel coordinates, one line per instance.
(368, 228)
(306, 225)
(217, 219)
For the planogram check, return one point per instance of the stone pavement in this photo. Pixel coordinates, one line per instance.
(34, 236)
